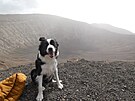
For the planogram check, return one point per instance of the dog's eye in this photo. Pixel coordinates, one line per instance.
(52, 42)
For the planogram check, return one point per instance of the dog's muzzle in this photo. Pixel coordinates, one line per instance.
(51, 51)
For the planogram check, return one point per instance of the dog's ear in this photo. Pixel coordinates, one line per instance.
(56, 42)
(42, 39)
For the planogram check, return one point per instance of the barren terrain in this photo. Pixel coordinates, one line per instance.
(107, 74)
(84, 81)
(19, 36)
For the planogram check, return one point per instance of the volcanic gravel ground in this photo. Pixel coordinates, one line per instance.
(84, 81)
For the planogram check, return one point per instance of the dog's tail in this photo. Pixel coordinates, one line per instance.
(33, 75)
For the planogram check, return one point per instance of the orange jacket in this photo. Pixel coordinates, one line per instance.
(11, 88)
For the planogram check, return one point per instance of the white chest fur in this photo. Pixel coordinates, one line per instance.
(50, 66)
(47, 69)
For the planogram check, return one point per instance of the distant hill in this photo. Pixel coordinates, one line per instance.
(20, 34)
(112, 28)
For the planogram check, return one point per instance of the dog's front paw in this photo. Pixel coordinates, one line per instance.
(60, 86)
(56, 81)
(39, 97)
(43, 88)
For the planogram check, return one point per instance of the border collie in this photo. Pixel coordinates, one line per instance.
(46, 65)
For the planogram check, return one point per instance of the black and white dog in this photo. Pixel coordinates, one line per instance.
(46, 65)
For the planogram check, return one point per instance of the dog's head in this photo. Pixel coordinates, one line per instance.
(48, 47)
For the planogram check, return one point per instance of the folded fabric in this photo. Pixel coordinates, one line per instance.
(12, 87)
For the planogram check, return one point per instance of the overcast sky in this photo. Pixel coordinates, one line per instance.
(119, 13)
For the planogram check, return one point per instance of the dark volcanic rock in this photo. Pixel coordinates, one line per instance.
(84, 81)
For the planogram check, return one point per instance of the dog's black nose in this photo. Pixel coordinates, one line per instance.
(50, 49)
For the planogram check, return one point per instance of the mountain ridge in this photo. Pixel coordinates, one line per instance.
(20, 34)
(112, 28)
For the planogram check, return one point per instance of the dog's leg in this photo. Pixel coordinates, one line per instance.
(40, 88)
(57, 78)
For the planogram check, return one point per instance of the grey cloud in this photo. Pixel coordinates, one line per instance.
(16, 6)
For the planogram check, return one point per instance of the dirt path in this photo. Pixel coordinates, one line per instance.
(84, 81)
